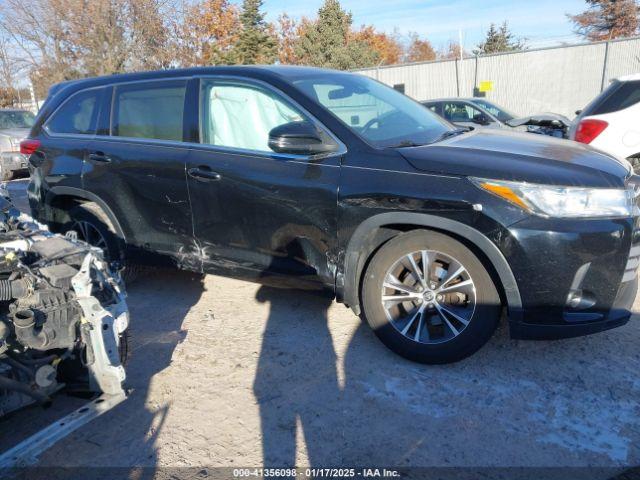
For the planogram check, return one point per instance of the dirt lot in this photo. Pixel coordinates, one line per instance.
(228, 373)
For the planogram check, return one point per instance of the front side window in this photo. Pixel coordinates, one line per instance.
(238, 115)
(498, 112)
(16, 119)
(77, 115)
(151, 110)
(382, 116)
(460, 112)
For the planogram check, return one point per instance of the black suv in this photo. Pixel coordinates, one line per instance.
(310, 178)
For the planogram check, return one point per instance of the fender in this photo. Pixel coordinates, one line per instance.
(354, 261)
(79, 193)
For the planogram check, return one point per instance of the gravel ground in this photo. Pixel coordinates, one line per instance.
(229, 373)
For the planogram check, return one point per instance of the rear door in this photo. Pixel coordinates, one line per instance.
(136, 165)
(259, 214)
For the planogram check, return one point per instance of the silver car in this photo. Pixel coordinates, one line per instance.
(481, 113)
(14, 127)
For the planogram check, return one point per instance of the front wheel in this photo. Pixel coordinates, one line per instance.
(429, 298)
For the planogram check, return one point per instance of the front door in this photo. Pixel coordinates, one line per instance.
(257, 214)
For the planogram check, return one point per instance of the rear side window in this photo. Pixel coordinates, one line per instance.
(149, 110)
(618, 96)
(77, 115)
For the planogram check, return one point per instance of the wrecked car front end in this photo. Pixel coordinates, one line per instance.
(63, 315)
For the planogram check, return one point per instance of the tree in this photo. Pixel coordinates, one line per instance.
(329, 41)
(607, 19)
(288, 32)
(452, 52)
(205, 33)
(256, 42)
(8, 73)
(500, 39)
(65, 39)
(419, 50)
(387, 47)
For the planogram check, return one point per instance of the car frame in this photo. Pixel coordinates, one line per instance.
(415, 234)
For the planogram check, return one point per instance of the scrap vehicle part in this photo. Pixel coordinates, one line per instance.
(63, 315)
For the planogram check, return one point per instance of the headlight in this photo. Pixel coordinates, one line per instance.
(566, 202)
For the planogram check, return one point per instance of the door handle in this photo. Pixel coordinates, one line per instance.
(99, 157)
(204, 174)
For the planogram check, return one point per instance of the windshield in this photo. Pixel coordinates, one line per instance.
(498, 112)
(16, 119)
(382, 116)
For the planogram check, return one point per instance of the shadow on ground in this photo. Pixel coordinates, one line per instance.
(570, 403)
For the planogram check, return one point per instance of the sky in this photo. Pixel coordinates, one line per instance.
(542, 22)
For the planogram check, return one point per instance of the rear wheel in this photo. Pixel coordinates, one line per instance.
(91, 224)
(429, 298)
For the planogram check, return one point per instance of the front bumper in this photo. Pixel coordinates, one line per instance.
(575, 277)
(617, 316)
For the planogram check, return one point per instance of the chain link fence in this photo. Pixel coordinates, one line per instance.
(559, 79)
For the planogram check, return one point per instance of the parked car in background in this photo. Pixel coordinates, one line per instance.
(611, 122)
(479, 112)
(317, 179)
(14, 127)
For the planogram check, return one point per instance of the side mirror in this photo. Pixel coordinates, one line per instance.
(481, 119)
(300, 138)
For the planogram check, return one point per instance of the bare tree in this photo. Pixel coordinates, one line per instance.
(65, 39)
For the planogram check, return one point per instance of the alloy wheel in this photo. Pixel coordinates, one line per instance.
(428, 296)
(90, 234)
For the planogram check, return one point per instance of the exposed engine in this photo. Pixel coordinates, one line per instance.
(63, 315)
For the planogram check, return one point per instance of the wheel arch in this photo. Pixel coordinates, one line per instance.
(371, 234)
(59, 199)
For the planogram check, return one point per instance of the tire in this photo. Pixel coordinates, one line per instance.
(429, 336)
(93, 226)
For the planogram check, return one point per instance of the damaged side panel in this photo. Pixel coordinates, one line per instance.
(266, 218)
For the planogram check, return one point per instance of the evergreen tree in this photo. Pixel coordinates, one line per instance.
(330, 42)
(499, 39)
(256, 43)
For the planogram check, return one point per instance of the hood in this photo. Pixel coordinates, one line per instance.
(16, 134)
(541, 119)
(524, 157)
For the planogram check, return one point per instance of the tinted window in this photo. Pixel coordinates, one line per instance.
(77, 115)
(152, 110)
(241, 116)
(431, 106)
(379, 114)
(498, 112)
(16, 119)
(618, 96)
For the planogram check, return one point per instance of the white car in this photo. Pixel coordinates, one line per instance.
(611, 122)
